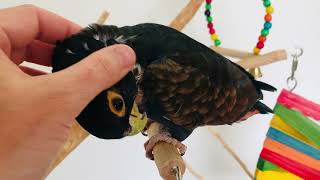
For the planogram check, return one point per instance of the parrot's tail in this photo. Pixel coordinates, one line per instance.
(262, 108)
(264, 86)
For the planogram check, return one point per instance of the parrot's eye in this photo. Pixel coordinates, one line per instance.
(116, 103)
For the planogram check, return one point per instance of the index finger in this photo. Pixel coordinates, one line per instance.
(23, 24)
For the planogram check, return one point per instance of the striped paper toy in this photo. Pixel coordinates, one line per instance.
(291, 150)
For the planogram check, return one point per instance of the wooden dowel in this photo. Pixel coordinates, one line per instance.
(103, 17)
(261, 60)
(166, 156)
(77, 134)
(186, 14)
(232, 52)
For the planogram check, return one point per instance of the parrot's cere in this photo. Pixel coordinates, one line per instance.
(177, 82)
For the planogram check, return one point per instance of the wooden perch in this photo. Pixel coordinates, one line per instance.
(103, 17)
(186, 14)
(232, 52)
(261, 60)
(166, 156)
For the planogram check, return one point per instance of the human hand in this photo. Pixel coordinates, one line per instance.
(37, 109)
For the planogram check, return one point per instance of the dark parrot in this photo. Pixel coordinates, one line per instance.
(177, 81)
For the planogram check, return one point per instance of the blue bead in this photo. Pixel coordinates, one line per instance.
(267, 25)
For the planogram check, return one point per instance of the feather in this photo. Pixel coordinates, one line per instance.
(262, 108)
(264, 86)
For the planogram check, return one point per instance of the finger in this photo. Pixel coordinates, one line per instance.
(31, 71)
(7, 67)
(36, 52)
(39, 52)
(41, 25)
(84, 80)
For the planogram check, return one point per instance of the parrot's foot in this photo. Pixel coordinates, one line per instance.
(165, 137)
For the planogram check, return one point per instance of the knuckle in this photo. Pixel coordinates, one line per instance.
(29, 6)
(104, 67)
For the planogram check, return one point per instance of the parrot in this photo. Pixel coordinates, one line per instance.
(177, 82)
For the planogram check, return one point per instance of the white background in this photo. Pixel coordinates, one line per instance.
(238, 23)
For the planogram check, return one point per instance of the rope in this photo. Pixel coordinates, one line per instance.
(193, 172)
(231, 151)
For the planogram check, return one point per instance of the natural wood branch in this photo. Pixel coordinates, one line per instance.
(166, 156)
(261, 60)
(186, 14)
(77, 133)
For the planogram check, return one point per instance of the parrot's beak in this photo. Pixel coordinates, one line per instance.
(137, 121)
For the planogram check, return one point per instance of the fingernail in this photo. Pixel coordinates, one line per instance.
(126, 55)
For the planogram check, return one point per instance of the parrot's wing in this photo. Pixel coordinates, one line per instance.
(177, 90)
(193, 90)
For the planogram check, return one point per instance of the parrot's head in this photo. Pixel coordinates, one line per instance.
(113, 114)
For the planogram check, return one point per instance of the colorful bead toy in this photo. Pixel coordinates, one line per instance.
(264, 32)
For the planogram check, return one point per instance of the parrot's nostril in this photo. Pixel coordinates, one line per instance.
(133, 115)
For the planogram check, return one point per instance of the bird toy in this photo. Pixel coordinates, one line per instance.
(291, 150)
(261, 40)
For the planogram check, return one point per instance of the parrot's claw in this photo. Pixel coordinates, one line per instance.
(165, 137)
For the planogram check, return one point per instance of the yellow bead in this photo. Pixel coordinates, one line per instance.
(269, 10)
(256, 51)
(214, 37)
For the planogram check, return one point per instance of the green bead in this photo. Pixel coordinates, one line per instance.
(264, 32)
(209, 19)
(208, 6)
(217, 42)
(267, 3)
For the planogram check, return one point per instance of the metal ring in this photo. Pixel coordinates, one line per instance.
(296, 55)
(177, 172)
(295, 83)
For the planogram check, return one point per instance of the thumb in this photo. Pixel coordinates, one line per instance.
(95, 73)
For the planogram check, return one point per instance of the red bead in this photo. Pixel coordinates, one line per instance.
(212, 31)
(210, 25)
(208, 1)
(268, 17)
(260, 45)
(262, 38)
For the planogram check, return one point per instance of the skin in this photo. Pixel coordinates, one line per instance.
(37, 109)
